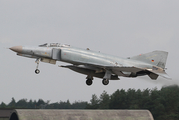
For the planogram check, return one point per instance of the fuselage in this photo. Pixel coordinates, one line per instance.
(78, 56)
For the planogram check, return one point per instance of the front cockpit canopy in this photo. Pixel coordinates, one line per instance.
(53, 45)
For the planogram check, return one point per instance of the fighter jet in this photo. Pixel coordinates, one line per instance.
(96, 64)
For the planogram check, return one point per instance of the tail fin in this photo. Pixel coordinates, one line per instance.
(157, 58)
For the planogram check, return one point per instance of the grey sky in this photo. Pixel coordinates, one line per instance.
(119, 27)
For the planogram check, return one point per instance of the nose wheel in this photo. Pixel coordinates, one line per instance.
(37, 71)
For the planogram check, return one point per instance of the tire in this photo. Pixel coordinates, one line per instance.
(89, 82)
(105, 81)
(37, 71)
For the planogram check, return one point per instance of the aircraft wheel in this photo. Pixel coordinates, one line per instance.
(89, 82)
(37, 71)
(105, 81)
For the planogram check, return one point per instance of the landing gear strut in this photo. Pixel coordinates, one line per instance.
(37, 71)
(106, 77)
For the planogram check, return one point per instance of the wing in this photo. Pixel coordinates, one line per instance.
(135, 71)
(125, 71)
(115, 70)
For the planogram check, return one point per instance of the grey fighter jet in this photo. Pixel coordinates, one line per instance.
(96, 64)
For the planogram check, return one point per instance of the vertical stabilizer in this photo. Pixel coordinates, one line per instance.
(157, 58)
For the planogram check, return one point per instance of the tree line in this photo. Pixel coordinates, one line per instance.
(41, 104)
(163, 103)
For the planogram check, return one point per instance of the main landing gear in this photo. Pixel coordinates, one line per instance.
(106, 77)
(37, 71)
(105, 81)
(89, 80)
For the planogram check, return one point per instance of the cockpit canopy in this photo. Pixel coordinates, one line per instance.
(54, 45)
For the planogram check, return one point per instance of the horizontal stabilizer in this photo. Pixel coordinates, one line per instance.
(160, 73)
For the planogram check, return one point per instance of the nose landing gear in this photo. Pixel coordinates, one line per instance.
(37, 71)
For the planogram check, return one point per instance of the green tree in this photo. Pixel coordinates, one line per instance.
(12, 104)
(3, 105)
(30, 104)
(94, 103)
(22, 103)
(65, 105)
(170, 99)
(145, 100)
(40, 102)
(104, 101)
(79, 105)
(156, 107)
(118, 100)
(138, 99)
(132, 99)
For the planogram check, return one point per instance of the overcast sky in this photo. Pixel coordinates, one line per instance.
(119, 27)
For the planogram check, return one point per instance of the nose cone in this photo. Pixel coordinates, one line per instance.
(17, 49)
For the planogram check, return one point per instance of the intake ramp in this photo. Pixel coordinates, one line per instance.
(27, 114)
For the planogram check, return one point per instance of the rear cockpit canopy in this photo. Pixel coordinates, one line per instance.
(54, 45)
(44, 45)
